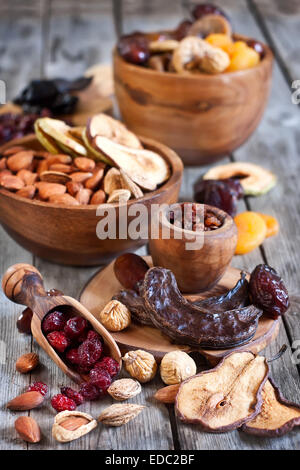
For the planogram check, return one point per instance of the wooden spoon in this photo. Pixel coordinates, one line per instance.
(23, 284)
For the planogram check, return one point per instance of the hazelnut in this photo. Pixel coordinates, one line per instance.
(140, 364)
(115, 316)
(177, 366)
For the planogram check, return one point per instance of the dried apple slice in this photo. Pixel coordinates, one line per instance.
(226, 397)
(106, 126)
(277, 416)
(144, 167)
(47, 142)
(59, 131)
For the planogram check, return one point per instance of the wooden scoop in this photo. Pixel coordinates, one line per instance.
(23, 284)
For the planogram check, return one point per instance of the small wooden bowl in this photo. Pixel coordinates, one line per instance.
(202, 117)
(196, 270)
(67, 235)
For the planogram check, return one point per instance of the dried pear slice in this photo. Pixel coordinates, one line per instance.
(277, 416)
(145, 167)
(106, 126)
(94, 153)
(255, 179)
(224, 398)
(59, 131)
(47, 142)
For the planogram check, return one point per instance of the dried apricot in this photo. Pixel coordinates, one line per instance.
(243, 58)
(223, 41)
(272, 224)
(252, 230)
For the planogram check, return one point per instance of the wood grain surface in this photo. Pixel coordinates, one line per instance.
(64, 36)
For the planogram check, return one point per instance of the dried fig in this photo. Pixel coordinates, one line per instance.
(176, 366)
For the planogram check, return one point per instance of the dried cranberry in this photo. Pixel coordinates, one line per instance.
(38, 387)
(219, 193)
(110, 365)
(90, 350)
(182, 30)
(54, 321)
(268, 291)
(101, 378)
(89, 391)
(75, 327)
(207, 9)
(62, 403)
(93, 336)
(257, 46)
(24, 321)
(72, 356)
(134, 48)
(58, 341)
(70, 393)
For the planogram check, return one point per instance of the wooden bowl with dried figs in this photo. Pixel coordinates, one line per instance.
(199, 88)
(59, 187)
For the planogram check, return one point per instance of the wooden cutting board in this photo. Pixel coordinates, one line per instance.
(100, 289)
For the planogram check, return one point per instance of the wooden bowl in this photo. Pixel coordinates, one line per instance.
(67, 235)
(202, 117)
(196, 270)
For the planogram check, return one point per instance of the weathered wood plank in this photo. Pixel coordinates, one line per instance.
(281, 23)
(20, 45)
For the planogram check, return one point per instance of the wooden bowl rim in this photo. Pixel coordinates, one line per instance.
(174, 161)
(228, 223)
(267, 59)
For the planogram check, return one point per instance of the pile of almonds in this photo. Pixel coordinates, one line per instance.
(58, 179)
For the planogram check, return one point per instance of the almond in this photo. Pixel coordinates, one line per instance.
(84, 164)
(123, 389)
(11, 182)
(61, 167)
(27, 176)
(83, 196)
(167, 394)
(70, 425)
(117, 415)
(80, 176)
(28, 429)
(3, 164)
(63, 200)
(27, 362)
(59, 158)
(55, 177)
(73, 422)
(94, 181)
(99, 197)
(73, 187)
(12, 150)
(42, 166)
(28, 191)
(25, 401)
(20, 160)
(46, 190)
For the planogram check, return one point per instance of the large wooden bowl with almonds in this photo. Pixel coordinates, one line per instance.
(202, 117)
(67, 235)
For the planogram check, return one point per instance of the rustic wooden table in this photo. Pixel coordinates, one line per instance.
(52, 38)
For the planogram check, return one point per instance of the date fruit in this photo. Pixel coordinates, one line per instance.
(130, 269)
(134, 48)
(204, 9)
(24, 321)
(223, 194)
(268, 291)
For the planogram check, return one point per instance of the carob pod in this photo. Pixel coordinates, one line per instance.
(189, 324)
(277, 416)
(226, 397)
(135, 304)
(237, 297)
